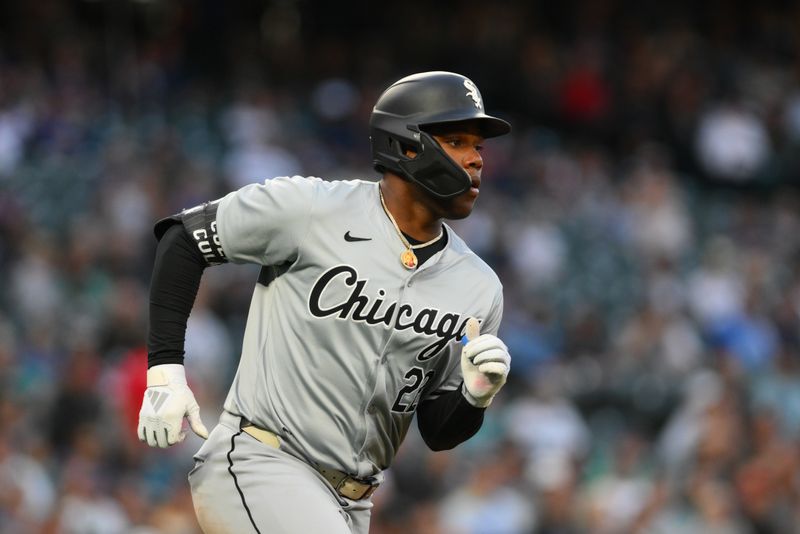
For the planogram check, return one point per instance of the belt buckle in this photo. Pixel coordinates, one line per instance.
(371, 486)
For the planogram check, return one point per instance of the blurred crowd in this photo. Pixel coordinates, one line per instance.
(644, 218)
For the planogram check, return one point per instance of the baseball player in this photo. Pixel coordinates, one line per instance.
(368, 309)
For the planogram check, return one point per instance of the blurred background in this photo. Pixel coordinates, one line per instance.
(644, 217)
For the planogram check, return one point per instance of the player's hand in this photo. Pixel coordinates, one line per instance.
(485, 363)
(167, 400)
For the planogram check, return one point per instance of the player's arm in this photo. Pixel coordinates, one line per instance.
(259, 223)
(188, 243)
(448, 420)
(455, 416)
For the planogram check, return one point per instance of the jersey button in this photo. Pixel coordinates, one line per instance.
(371, 408)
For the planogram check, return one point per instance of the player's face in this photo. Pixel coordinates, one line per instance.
(463, 145)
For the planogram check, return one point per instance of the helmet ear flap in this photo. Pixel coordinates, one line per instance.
(397, 147)
(387, 150)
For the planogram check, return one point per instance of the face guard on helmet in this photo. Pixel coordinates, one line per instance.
(403, 113)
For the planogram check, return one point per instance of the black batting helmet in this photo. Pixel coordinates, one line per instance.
(415, 103)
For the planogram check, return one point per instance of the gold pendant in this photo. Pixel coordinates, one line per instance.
(408, 259)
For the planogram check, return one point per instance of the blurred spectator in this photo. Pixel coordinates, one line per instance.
(614, 500)
(732, 143)
(489, 502)
(716, 289)
(77, 406)
(544, 422)
(765, 481)
(252, 130)
(777, 391)
(659, 225)
(27, 494)
(15, 127)
(555, 482)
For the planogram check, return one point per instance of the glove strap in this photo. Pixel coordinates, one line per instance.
(165, 374)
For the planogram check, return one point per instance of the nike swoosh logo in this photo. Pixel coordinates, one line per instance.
(348, 237)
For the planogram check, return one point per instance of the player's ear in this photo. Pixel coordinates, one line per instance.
(410, 152)
(402, 148)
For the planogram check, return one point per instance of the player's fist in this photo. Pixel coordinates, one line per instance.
(485, 363)
(167, 400)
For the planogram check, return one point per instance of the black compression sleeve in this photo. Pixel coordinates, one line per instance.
(177, 271)
(448, 420)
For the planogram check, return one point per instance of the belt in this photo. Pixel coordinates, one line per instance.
(347, 486)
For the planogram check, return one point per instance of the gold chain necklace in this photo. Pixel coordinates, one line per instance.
(407, 257)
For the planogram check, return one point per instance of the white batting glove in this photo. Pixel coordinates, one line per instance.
(485, 363)
(167, 400)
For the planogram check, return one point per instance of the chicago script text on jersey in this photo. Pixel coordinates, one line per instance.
(360, 307)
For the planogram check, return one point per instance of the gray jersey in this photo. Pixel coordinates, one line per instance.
(344, 343)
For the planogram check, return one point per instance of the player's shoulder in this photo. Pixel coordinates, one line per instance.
(321, 188)
(341, 196)
(325, 184)
(459, 253)
(344, 186)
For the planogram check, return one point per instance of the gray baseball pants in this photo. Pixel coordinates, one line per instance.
(241, 485)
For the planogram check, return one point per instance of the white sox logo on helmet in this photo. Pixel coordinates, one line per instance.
(362, 308)
(472, 92)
